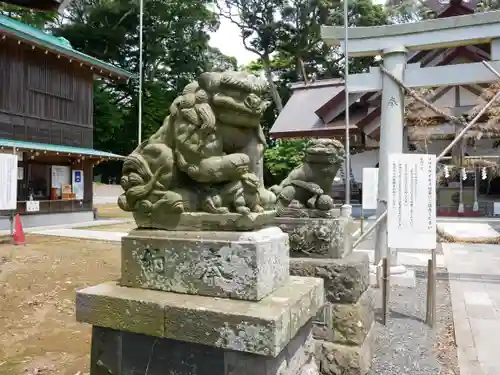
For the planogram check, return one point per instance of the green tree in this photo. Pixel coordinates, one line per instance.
(216, 61)
(258, 21)
(175, 50)
(31, 17)
(282, 158)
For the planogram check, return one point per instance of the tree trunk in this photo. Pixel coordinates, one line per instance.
(272, 87)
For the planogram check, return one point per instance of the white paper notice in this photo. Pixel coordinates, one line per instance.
(61, 175)
(32, 206)
(411, 214)
(370, 188)
(8, 176)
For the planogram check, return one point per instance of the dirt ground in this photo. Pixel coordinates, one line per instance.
(38, 331)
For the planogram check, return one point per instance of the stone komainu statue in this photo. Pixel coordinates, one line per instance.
(308, 185)
(207, 154)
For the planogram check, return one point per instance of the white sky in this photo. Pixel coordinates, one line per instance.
(228, 40)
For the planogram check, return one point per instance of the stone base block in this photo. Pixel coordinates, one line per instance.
(264, 328)
(335, 359)
(241, 265)
(315, 237)
(345, 279)
(347, 324)
(406, 278)
(124, 353)
(203, 221)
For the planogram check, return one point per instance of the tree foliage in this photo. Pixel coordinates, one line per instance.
(283, 157)
(31, 17)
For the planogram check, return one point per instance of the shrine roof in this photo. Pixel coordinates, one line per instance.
(37, 38)
(299, 117)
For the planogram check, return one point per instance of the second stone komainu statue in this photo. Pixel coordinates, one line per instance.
(308, 186)
(206, 157)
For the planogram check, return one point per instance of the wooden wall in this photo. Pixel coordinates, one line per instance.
(44, 99)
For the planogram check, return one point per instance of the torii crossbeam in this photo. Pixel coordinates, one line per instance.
(393, 42)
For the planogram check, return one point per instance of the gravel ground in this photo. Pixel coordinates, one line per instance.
(407, 346)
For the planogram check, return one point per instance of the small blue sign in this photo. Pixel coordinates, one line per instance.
(78, 176)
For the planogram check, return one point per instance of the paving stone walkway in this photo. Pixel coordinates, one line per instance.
(475, 291)
(466, 230)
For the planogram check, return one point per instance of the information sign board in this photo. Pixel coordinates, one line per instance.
(411, 207)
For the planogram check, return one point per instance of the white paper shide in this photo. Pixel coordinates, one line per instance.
(411, 216)
(8, 177)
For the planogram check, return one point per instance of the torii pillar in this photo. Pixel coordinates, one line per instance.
(392, 42)
(391, 142)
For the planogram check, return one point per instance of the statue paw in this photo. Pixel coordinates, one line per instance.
(324, 202)
(311, 202)
(243, 210)
(257, 208)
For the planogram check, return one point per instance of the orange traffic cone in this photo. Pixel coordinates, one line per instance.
(18, 235)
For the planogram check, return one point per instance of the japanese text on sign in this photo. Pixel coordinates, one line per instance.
(8, 176)
(412, 201)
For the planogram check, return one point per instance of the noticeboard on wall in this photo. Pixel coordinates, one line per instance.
(61, 175)
(411, 211)
(8, 176)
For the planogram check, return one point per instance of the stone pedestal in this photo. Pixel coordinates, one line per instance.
(242, 265)
(196, 303)
(314, 233)
(344, 329)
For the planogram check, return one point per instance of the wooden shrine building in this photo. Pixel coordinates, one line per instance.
(317, 109)
(46, 118)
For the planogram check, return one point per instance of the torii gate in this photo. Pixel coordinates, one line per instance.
(392, 42)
